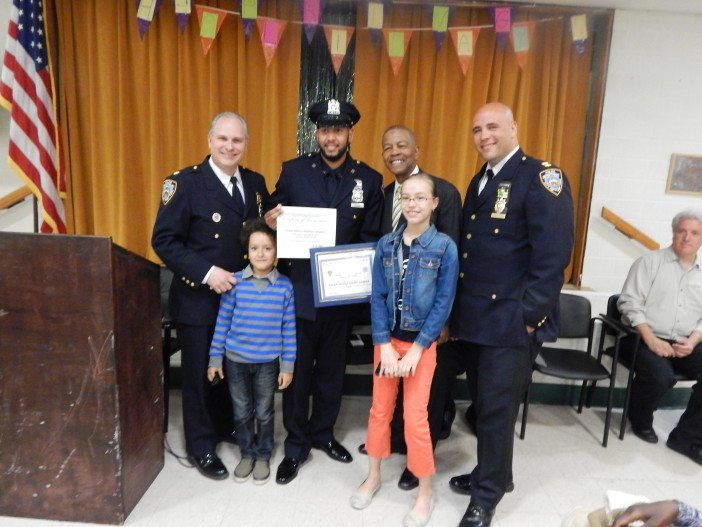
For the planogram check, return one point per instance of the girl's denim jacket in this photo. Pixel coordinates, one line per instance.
(430, 285)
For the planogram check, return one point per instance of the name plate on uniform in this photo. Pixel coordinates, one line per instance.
(342, 275)
(303, 228)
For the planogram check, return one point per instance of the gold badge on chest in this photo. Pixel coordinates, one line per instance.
(500, 209)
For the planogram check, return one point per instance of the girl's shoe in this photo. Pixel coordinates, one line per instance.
(361, 500)
(414, 520)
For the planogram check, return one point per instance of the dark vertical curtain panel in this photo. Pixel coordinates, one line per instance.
(318, 81)
(431, 95)
(133, 111)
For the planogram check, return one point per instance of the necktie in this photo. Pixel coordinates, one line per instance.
(489, 174)
(236, 194)
(396, 206)
(331, 180)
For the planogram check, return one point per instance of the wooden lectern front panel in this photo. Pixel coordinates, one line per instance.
(61, 439)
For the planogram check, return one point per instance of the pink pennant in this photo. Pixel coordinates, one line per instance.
(271, 29)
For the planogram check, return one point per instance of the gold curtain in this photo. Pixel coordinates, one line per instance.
(133, 110)
(430, 94)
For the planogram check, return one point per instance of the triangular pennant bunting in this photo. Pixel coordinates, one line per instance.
(503, 24)
(271, 29)
(146, 10)
(375, 21)
(249, 14)
(578, 27)
(439, 24)
(522, 36)
(183, 9)
(464, 40)
(211, 20)
(311, 10)
(397, 41)
(338, 38)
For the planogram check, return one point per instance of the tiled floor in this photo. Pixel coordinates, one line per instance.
(558, 467)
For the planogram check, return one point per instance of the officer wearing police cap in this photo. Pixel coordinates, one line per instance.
(330, 178)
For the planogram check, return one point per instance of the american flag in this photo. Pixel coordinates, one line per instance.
(26, 91)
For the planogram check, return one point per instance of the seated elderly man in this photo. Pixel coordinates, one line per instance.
(662, 300)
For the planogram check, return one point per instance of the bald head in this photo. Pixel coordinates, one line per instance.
(494, 132)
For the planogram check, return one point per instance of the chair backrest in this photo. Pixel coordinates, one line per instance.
(575, 314)
(612, 309)
(165, 278)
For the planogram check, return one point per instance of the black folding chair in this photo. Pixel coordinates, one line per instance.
(170, 339)
(575, 364)
(614, 317)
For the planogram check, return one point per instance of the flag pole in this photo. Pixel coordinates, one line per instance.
(36, 214)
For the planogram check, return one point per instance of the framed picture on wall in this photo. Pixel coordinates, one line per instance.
(685, 174)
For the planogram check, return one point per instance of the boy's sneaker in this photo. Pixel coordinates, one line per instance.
(243, 469)
(261, 471)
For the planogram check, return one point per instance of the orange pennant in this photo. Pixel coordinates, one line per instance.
(338, 38)
(271, 29)
(464, 41)
(397, 41)
(211, 20)
(522, 36)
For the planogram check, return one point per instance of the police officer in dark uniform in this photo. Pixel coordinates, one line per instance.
(197, 236)
(516, 241)
(330, 178)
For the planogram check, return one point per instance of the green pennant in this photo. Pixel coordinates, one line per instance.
(208, 26)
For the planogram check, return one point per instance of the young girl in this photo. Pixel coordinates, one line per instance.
(255, 336)
(414, 282)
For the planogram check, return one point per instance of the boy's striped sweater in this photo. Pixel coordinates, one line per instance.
(255, 326)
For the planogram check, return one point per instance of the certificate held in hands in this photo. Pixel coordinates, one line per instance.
(303, 228)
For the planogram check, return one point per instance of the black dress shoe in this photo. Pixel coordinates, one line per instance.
(461, 484)
(408, 481)
(645, 434)
(287, 470)
(694, 452)
(336, 451)
(209, 465)
(476, 516)
(362, 449)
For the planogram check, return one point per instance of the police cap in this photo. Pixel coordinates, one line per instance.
(332, 112)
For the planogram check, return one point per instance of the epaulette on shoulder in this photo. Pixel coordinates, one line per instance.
(192, 169)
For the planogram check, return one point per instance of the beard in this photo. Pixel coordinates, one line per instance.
(336, 157)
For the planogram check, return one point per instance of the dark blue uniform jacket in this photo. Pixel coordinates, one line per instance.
(301, 184)
(511, 267)
(199, 227)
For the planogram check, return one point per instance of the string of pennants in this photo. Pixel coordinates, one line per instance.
(210, 19)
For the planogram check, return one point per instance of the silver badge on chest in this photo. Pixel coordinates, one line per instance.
(357, 195)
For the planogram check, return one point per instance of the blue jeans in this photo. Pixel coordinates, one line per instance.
(252, 387)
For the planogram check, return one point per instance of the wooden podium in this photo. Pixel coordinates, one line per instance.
(81, 390)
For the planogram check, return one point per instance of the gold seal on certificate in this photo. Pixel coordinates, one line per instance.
(342, 275)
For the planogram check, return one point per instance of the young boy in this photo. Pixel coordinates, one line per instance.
(255, 337)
